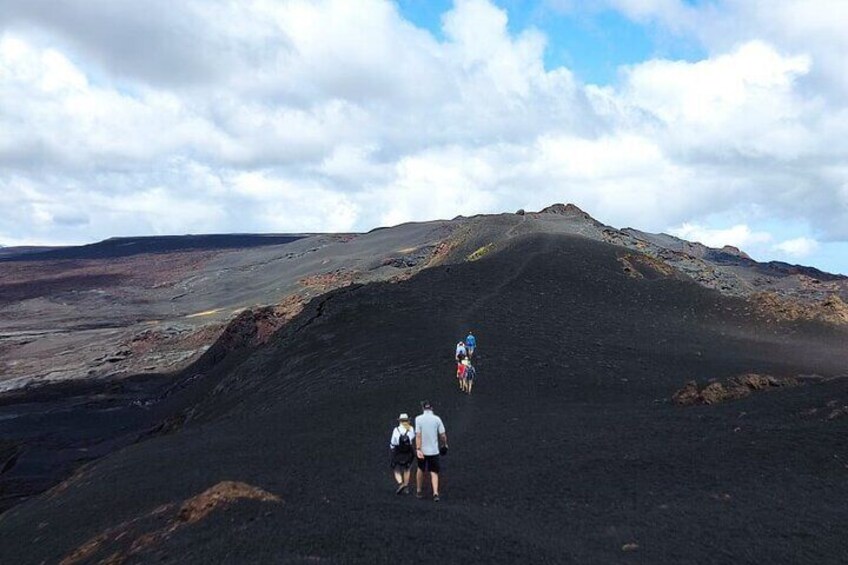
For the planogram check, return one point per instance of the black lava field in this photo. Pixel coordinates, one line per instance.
(569, 450)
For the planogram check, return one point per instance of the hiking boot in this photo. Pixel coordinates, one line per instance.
(419, 494)
(400, 489)
(435, 498)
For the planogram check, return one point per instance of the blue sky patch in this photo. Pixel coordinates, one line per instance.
(592, 44)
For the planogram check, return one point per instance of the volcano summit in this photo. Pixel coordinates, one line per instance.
(233, 403)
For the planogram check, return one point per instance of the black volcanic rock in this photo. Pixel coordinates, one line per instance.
(567, 451)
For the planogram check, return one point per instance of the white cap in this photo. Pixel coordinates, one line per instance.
(403, 416)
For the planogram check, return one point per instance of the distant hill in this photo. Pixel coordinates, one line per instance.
(9, 251)
(128, 246)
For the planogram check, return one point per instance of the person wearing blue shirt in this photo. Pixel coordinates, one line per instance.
(470, 374)
(470, 344)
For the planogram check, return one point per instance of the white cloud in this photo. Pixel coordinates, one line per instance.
(725, 104)
(798, 248)
(333, 115)
(815, 28)
(740, 235)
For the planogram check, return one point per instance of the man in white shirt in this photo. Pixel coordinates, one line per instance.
(430, 442)
(461, 352)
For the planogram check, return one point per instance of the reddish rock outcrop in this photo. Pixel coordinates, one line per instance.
(641, 266)
(731, 389)
(143, 534)
(831, 309)
(224, 493)
(688, 395)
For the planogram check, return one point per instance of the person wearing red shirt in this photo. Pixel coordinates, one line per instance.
(461, 368)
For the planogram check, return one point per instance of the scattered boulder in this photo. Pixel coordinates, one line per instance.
(520, 212)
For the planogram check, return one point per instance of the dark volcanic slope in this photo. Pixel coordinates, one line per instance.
(129, 246)
(568, 450)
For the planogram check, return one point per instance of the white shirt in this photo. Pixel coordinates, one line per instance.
(460, 347)
(395, 441)
(429, 426)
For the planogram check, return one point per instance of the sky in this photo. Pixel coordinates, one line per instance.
(719, 121)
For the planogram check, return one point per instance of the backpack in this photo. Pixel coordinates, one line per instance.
(404, 443)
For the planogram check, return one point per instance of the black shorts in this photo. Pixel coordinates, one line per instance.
(430, 464)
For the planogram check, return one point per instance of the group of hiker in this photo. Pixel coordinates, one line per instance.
(465, 371)
(427, 440)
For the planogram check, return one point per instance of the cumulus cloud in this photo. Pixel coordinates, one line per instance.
(797, 248)
(118, 117)
(740, 236)
(166, 43)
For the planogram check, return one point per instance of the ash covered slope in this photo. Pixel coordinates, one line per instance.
(568, 451)
(144, 305)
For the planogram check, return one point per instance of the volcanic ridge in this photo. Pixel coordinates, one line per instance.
(230, 398)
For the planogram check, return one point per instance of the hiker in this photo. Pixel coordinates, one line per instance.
(401, 445)
(470, 344)
(470, 373)
(461, 352)
(430, 443)
(460, 373)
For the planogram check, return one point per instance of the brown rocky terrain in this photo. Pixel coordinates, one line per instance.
(86, 315)
(733, 388)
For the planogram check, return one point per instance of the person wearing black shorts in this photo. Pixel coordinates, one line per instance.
(431, 441)
(429, 464)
